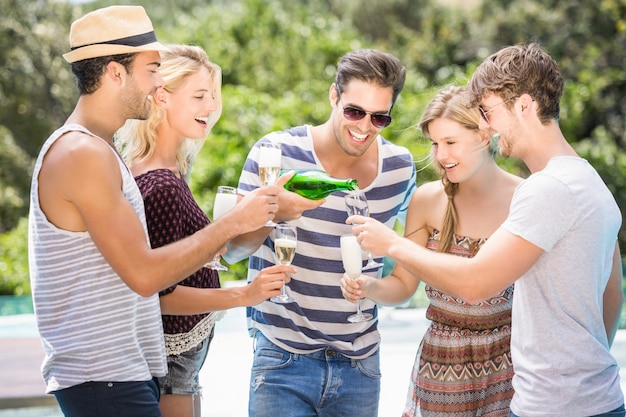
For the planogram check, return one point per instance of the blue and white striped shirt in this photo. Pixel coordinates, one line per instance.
(318, 318)
(93, 326)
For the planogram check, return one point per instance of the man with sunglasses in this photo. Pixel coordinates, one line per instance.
(558, 244)
(309, 360)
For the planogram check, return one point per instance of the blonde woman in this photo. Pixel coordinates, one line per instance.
(463, 365)
(160, 151)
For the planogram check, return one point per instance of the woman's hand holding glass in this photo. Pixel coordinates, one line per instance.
(354, 289)
(351, 256)
(268, 283)
(356, 204)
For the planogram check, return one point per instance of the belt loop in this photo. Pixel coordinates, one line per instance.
(256, 334)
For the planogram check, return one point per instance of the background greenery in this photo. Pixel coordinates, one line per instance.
(278, 59)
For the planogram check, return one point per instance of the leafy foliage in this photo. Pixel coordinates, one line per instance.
(35, 81)
(16, 171)
(278, 60)
(14, 261)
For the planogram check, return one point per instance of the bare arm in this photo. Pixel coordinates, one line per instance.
(290, 207)
(191, 300)
(245, 245)
(80, 189)
(393, 289)
(613, 299)
(500, 261)
(398, 287)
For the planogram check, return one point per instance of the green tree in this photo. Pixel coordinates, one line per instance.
(15, 172)
(36, 93)
(14, 278)
(279, 58)
(588, 40)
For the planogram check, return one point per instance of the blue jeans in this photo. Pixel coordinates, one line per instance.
(319, 384)
(618, 412)
(110, 399)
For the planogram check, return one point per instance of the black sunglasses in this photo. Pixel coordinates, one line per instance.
(379, 120)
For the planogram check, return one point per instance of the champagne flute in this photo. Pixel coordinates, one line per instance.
(269, 166)
(351, 258)
(285, 241)
(225, 200)
(356, 203)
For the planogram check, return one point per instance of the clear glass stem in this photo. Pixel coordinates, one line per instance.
(371, 263)
(358, 308)
(216, 264)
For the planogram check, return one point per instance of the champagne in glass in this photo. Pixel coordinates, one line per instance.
(285, 242)
(225, 200)
(285, 250)
(356, 203)
(269, 166)
(351, 258)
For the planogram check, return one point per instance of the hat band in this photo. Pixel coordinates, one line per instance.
(135, 40)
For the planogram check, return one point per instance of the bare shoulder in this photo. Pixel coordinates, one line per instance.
(428, 193)
(75, 171)
(75, 145)
(426, 209)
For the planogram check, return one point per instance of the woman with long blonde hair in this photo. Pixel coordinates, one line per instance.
(160, 152)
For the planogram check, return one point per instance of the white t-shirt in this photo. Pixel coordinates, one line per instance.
(560, 351)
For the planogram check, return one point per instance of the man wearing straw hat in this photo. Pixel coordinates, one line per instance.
(94, 276)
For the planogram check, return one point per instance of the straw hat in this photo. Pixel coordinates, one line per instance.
(111, 31)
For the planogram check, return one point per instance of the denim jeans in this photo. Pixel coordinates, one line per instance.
(319, 384)
(618, 412)
(108, 399)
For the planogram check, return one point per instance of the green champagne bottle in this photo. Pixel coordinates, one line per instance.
(316, 185)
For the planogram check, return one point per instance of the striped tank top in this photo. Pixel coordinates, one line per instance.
(92, 325)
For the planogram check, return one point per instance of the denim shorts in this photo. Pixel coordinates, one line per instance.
(182, 370)
(323, 383)
(106, 399)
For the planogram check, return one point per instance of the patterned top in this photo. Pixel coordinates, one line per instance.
(318, 318)
(463, 367)
(93, 326)
(172, 214)
(488, 314)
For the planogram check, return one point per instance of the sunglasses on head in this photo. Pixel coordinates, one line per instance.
(353, 114)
